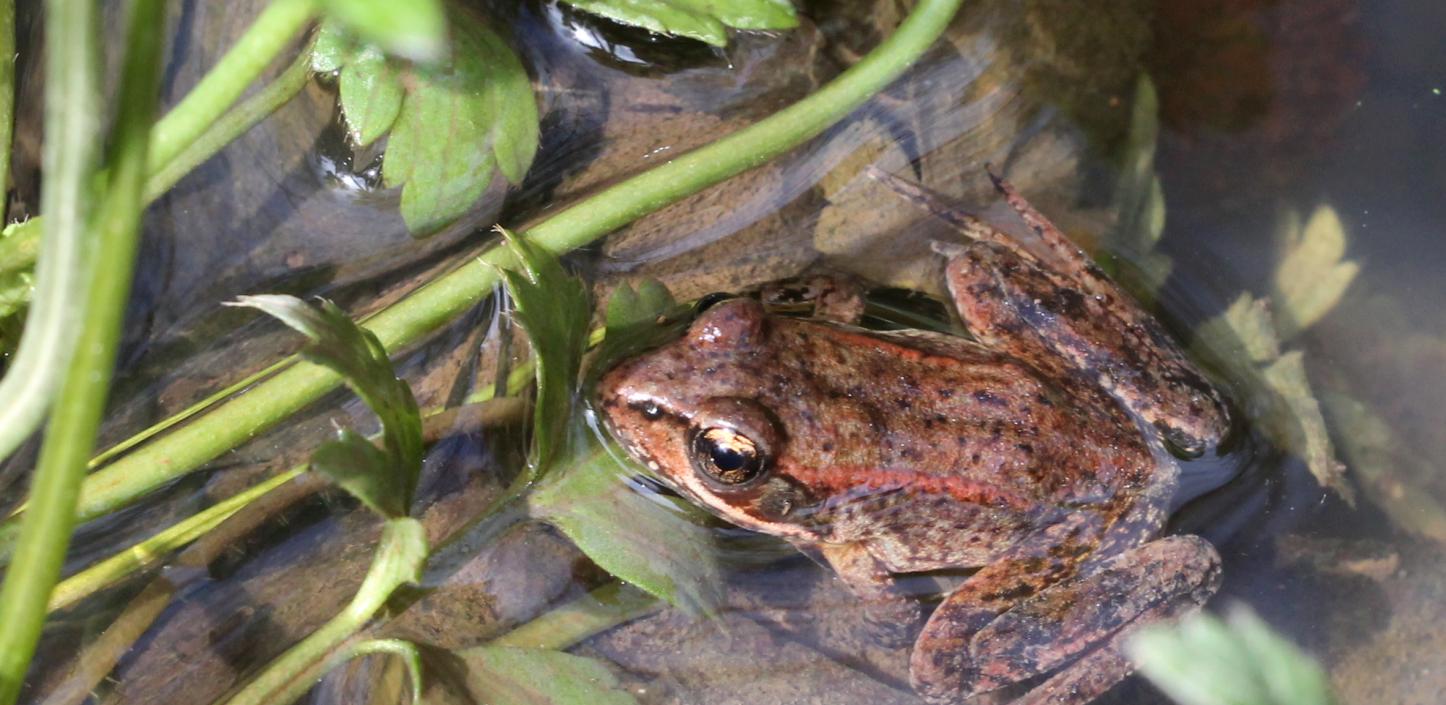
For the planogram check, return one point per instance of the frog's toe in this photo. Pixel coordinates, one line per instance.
(892, 624)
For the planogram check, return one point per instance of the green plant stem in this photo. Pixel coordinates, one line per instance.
(433, 305)
(68, 159)
(29, 394)
(7, 97)
(231, 125)
(397, 561)
(267, 37)
(71, 433)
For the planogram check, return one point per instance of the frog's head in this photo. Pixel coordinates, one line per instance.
(692, 412)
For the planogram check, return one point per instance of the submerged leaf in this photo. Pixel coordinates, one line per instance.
(553, 307)
(1276, 392)
(452, 123)
(354, 353)
(505, 675)
(636, 320)
(371, 96)
(458, 122)
(643, 539)
(705, 20)
(1312, 277)
(1308, 435)
(1388, 471)
(1241, 661)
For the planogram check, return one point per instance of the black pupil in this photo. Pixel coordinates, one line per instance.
(726, 456)
(727, 459)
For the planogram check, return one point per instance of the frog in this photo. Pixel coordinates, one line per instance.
(1041, 452)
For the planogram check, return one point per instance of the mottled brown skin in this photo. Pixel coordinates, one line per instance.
(1034, 455)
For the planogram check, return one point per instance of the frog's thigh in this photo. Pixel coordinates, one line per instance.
(1063, 623)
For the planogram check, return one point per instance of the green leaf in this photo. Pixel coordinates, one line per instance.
(1248, 326)
(371, 95)
(704, 20)
(1312, 277)
(365, 472)
(1241, 661)
(333, 48)
(458, 122)
(647, 540)
(408, 652)
(414, 29)
(505, 675)
(553, 307)
(355, 354)
(636, 320)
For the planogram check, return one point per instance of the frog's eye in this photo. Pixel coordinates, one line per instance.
(726, 456)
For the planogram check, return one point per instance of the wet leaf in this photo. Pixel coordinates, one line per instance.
(458, 122)
(371, 96)
(553, 307)
(452, 122)
(1312, 277)
(505, 675)
(415, 29)
(1307, 435)
(383, 479)
(636, 320)
(1386, 468)
(643, 539)
(1240, 661)
(1248, 327)
(705, 20)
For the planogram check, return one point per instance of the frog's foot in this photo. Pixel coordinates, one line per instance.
(1070, 631)
(890, 616)
(827, 295)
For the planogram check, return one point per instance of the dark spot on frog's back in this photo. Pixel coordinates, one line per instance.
(988, 398)
(1070, 303)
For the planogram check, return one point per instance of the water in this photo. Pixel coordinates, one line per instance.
(1266, 108)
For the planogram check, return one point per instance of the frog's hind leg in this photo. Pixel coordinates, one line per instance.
(1070, 631)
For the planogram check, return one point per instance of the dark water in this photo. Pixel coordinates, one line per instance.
(1266, 108)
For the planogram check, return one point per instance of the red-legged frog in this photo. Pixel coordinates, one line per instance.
(1034, 452)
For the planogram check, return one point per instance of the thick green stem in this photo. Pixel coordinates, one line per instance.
(71, 433)
(433, 305)
(194, 131)
(267, 37)
(72, 134)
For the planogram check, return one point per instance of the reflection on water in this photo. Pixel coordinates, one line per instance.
(1266, 107)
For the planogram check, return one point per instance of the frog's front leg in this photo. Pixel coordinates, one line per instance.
(1071, 628)
(890, 615)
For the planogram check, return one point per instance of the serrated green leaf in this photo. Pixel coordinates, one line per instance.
(704, 20)
(1312, 277)
(364, 471)
(505, 675)
(371, 95)
(333, 48)
(353, 352)
(1241, 661)
(553, 307)
(415, 29)
(458, 122)
(649, 541)
(636, 320)
(1246, 322)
